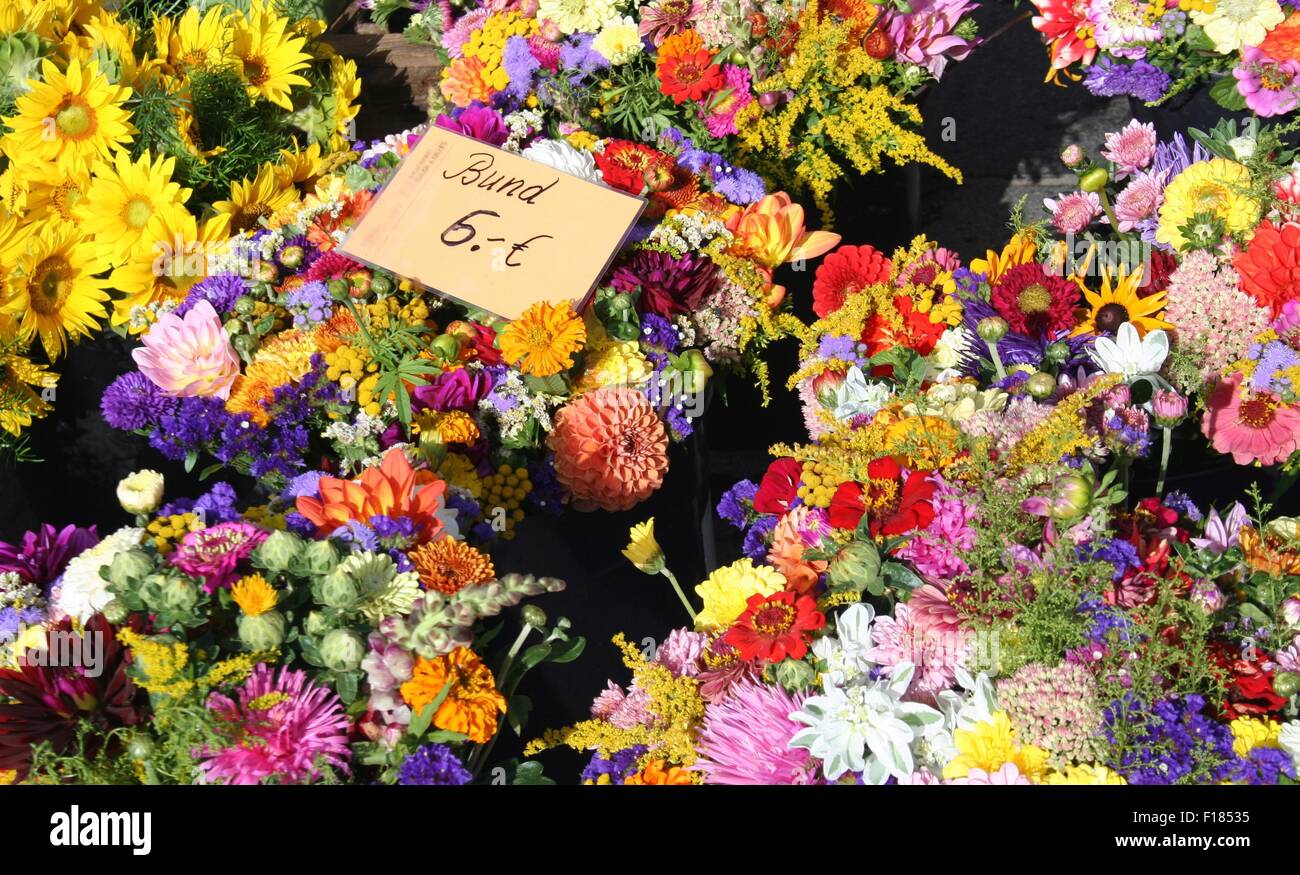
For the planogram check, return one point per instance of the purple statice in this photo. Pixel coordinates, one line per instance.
(1173, 741)
(737, 503)
(519, 63)
(41, 555)
(615, 768)
(194, 423)
(1104, 618)
(394, 533)
(967, 280)
(133, 401)
(218, 505)
(1110, 78)
(755, 546)
(220, 290)
(679, 422)
(433, 765)
(310, 303)
(1182, 502)
(299, 525)
(1264, 766)
(463, 504)
(580, 59)
(1119, 553)
(357, 536)
(1127, 432)
(548, 493)
(658, 332)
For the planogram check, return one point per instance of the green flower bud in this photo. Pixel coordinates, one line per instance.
(533, 616)
(697, 373)
(1072, 499)
(1286, 683)
(320, 557)
(129, 567)
(292, 256)
(245, 306)
(446, 346)
(278, 552)
(1041, 385)
(140, 747)
(339, 289)
(1094, 180)
(180, 594)
(115, 612)
(337, 590)
(381, 284)
(991, 329)
(857, 567)
(794, 674)
(1057, 352)
(263, 631)
(342, 650)
(245, 344)
(318, 623)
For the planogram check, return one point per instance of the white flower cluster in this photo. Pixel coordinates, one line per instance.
(688, 232)
(83, 592)
(527, 405)
(521, 125)
(356, 433)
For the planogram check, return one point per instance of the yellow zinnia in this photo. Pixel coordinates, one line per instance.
(54, 292)
(269, 58)
(992, 744)
(1219, 188)
(254, 595)
(727, 590)
(72, 117)
(127, 202)
(543, 339)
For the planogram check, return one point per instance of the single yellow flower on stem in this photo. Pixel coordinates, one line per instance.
(644, 552)
(71, 118)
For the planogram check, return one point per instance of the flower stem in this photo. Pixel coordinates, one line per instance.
(1165, 450)
(677, 588)
(483, 751)
(997, 359)
(1110, 213)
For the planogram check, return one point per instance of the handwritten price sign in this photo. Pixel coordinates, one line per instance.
(492, 229)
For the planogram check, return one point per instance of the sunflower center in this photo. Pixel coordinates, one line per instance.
(74, 119)
(1034, 299)
(52, 283)
(1256, 412)
(137, 213)
(774, 620)
(247, 217)
(255, 71)
(1110, 317)
(65, 197)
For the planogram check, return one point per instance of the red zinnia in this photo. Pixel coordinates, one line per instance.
(1270, 265)
(1033, 303)
(689, 76)
(849, 503)
(918, 332)
(914, 509)
(775, 626)
(634, 168)
(1249, 684)
(847, 270)
(779, 486)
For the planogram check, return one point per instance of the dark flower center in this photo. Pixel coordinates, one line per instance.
(1257, 412)
(1110, 317)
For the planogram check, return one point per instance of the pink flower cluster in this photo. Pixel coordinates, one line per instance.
(936, 551)
(1215, 320)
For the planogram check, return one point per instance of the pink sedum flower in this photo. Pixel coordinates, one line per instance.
(189, 355)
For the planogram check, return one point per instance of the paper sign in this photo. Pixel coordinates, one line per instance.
(490, 228)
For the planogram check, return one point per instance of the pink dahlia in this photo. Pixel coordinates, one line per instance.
(279, 729)
(925, 36)
(1269, 85)
(745, 738)
(1252, 426)
(680, 653)
(611, 449)
(1072, 213)
(214, 553)
(189, 355)
(734, 96)
(1008, 774)
(931, 641)
(1140, 199)
(1131, 148)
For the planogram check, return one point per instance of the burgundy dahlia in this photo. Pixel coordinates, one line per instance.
(44, 553)
(669, 285)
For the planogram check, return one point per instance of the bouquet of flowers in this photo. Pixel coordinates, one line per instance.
(800, 91)
(129, 144)
(346, 641)
(297, 353)
(1155, 50)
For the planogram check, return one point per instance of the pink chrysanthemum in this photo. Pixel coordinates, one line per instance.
(1131, 148)
(1140, 199)
(680, 652)
(214, 553)
(745, 738)
(455, 37)
(932, 641)
(280, 728)
(1072, 213)
(626, 710)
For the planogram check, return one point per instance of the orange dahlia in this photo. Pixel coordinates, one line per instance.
(1270, 264)
(449, 565)
(391, 489)
(1268, 553)
(465, 81)
(473, 702)
(611, 449)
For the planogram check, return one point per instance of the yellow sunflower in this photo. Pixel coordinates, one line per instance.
(191, 42)
(71, 118)
(27, 16)
(53, 191)
(13, 190)
(22, 382)
(1217, 190)
(341, 106)
(126, 199)
(173, 256)
(253, 199)
(302, 168)
(543, 339)
(54, 292)
(1118, 302)
(109, 41)
(13, 243)
(269, 58)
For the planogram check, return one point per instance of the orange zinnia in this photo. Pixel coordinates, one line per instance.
(391, 490)
(656, 773)
(1283, 41)
(473, 702)
(450, 565)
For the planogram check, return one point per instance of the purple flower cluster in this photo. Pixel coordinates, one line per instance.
(310, 303)
(658, 332)
(433, 765)
(736, 184)
(615, 768)
(736, 504)
(133, 401)
(1118, 552)
(220, 290)
(218, 505)
(1171, 742)
(1142, 80)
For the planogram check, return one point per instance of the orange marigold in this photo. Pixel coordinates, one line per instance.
(465, 81)
(611, 449)
(473, 703)
(657, 772)
(449, 565)
(543, 339)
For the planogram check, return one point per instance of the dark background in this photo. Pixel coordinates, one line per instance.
(1009, 130)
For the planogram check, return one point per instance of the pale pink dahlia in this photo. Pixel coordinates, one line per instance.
(1140, 199)
(745, 738)
(932, 641)
(925, 36)
(279, 729)
(680, 652)
(189, 355)
(1008, 774)
(1072, 213)
(1131, 148)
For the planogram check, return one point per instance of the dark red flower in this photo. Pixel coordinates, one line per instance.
(914, 510)
(634, 168)
(847, 270)
(1161, 266)
(669, 284)
(849, 503)
(779, 486)
(43, 703)
(332, 266)
(775, 626)
(1250, 685)
(1034, 303)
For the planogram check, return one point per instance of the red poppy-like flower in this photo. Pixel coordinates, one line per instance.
(914, 509)
(1159, 269)
(634, 168)
(847, 506)
(895, 504)
(1270, 264)
(1034, 303)
(1250, 685)
(775, 626)
(779, 486)
(689, 76)
(845, 271)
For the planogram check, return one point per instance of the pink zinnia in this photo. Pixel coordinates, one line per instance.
(932, 641)
(1268, 85)
(1131, 148)
(746, 736)
(1252, 426)
(1140, 199)
(214, 553)
(721, 119)
(189, 355)
(279, 729)
(1072, 213)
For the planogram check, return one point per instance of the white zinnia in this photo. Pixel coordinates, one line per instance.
(559, 155)
(1236, 23)
(83, 592)
(140, 492)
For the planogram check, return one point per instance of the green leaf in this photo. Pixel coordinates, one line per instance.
(1226, 95)
(191, 458)
(899, 576)
(530, 774)
(446, 736)
(517, 712)
(568, 651)
(210, 470)
(534, 655)
(420, 722)
(347, 685)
